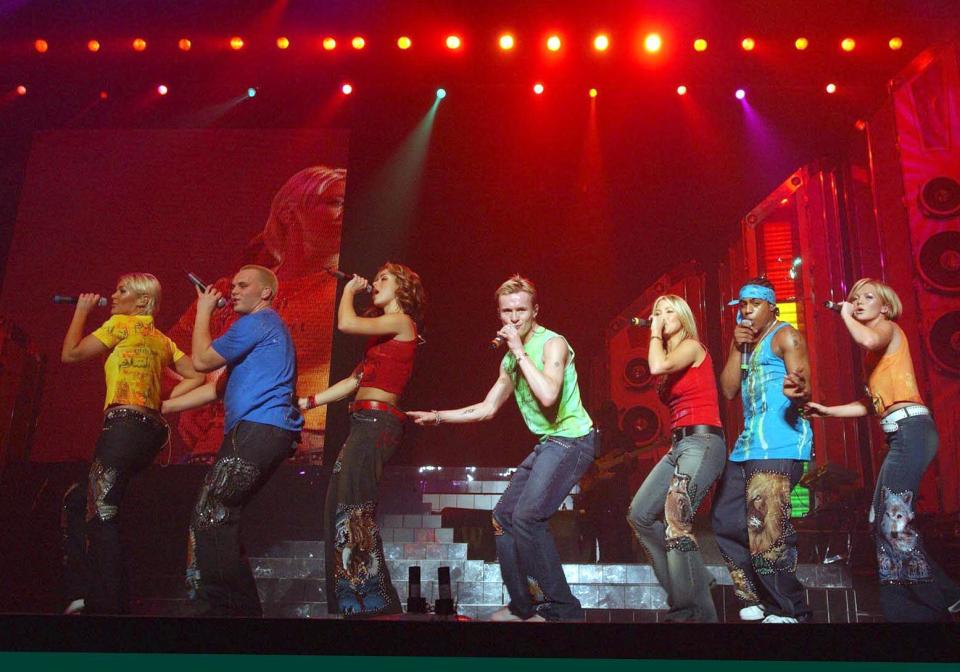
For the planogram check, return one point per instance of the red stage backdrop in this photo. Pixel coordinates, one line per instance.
(99, 203)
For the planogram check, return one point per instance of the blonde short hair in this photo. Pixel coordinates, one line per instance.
(143, 284)
(688, 326)
(888, 297)
(517, 283)
(267, 278)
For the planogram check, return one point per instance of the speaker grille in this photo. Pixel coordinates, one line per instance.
(642, 425)
(944, 342)
(939, 198)
(939, 261)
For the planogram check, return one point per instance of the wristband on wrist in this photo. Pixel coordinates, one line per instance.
(436, 417)
(659, 338)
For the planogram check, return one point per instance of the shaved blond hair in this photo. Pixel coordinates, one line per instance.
(267, 278)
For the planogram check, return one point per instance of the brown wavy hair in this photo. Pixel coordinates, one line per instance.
(410, 294)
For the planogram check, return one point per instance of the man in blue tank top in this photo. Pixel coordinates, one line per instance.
(768, 367)
(538, 370)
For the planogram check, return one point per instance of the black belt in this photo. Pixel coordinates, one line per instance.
(683, 432)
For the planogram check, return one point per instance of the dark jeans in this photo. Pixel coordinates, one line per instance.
(751, 520)
(912, 586)
(358, 579)
(525, 547)
(661, 515)
(128, 444)
(248, 456)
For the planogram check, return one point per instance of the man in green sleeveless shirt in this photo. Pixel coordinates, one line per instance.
(539, 371)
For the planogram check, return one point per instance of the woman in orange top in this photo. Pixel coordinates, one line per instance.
(133, 430)
(912, 586)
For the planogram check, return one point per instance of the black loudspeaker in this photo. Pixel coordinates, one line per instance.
(416, 604)
(444, 604)
(939, 198)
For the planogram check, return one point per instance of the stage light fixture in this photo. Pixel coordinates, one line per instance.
(453, 42)
(163, 89)
(441, 93)
(860, 125)
(139, 44)
(848, 44)
(652, 43)
(283, 43)
(104, 95)
(740, 94)
(748, 44)
(593, 93)
(404, 42)
(251, 92)
(538, 88)
(358, 42)
(601, 42)
(801, 43)
(895, 43)
(699, 44)
(236, 43)
(184, 44)
(506, 42)
(553, 43)
(41, 46)
(346, 89)
(831, 88)
(681, 90)
(93, 45)
(329, 43)
(21, 90)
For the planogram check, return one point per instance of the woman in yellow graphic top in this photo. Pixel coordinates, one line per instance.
(133, 430)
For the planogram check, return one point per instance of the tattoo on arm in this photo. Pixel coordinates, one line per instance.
(795, 341)
(557, 365)
(469, 411)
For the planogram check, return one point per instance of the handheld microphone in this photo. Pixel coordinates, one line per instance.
(639, 322)
(340, 275)
(496, 342)
(73, 300)
(744, 352)
(199, 284)
(830, 305)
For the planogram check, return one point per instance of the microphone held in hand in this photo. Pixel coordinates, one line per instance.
(199, 284)
(73, 300)
(744, 349)
(640, 322)
(340, 275)
(496, 342)
(835, 307)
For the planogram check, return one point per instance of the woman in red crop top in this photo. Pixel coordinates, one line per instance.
(661, 513)
(912, 586)
(358, 581)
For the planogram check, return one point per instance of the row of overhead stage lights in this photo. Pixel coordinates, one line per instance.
(652, 43)
(347, 89)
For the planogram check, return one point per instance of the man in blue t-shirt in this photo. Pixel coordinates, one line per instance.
(261, 430)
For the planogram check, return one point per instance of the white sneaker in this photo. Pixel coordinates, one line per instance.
(773, 618)
(954, 608)
(75, 607)
(504, 615)
(752, 613)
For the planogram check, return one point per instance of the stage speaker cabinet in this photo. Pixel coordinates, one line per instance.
(21, 382)
(927, 112)
(641, 416)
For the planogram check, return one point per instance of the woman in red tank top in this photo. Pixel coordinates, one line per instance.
(358, 581)
(661, 513)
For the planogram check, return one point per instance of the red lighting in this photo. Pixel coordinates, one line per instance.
(700, 44)
(283, 43)
(329, 43)
(681, 90)
(139, 44)
(831, 88)
(860, 125)
(163, 90)
(652, 43)
(404, 42)
(41, 46)
(346, 89)
(593, 93)
(236, 43)
(601, 42)
(553, 43)
(506, 42)
(21, 90)
(93, 45)
(801, 43)
(104, 95)
(184, 44)
(748, 44)
(453, 42)
(538, 88)
(358, 42)
(848, 44)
